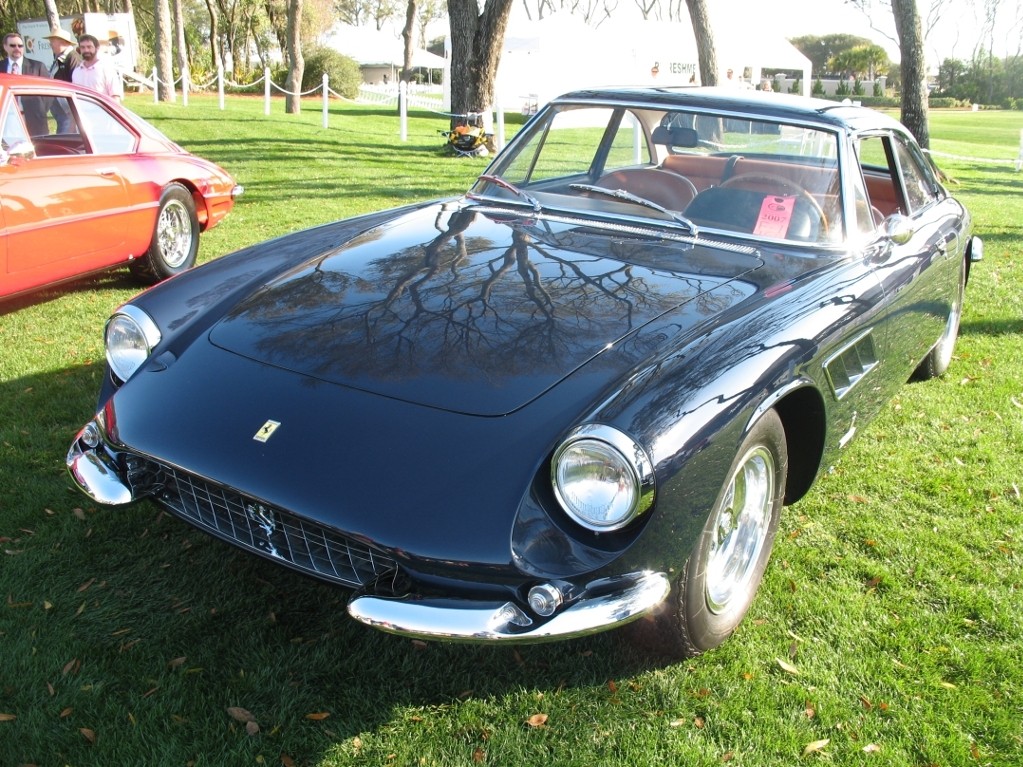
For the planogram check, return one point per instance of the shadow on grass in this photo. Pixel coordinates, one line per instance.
(149, 621)
(113, 278)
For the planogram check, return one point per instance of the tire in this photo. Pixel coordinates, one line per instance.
(724, 570)
(175, 238)
(939, 358)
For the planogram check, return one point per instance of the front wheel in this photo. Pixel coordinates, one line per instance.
(175, 237)
(721, 577)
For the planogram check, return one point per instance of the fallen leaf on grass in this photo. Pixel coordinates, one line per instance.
(318, 716)
(88, 734)
(66, 712)
(252, 728)
(537, 720)
(788, 668)
(177, 662)
(871, 748)
(240, 714)
(287, 761)
(479, 755)
(7, 717)
(86, 585)
(816, 746)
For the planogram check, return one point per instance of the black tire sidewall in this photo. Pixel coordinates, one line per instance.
(153, 266)
(700, 628)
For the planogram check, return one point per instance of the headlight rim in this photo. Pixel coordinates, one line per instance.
(632, 455)
(146, 327)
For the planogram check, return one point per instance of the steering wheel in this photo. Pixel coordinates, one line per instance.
(778, 185)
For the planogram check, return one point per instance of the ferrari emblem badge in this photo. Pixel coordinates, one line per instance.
(266, 431)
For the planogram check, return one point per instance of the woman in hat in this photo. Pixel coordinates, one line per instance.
(65, 57)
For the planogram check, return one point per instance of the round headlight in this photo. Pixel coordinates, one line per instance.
(602, 478)
(130, 338)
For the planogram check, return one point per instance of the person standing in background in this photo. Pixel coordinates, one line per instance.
(16, 63)
(96, 72)
(65, 57)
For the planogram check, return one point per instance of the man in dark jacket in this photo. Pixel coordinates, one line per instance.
(65, 57)
(16, 63)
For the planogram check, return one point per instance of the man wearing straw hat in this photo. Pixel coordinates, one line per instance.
(65, 57)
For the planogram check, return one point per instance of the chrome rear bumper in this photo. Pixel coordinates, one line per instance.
(604, 604)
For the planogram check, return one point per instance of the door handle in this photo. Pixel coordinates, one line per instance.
(107, 171)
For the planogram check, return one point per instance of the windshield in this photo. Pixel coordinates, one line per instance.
(743, 175)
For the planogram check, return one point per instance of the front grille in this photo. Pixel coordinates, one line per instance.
(306, 546)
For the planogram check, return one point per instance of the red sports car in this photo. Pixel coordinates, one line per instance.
(86, 185)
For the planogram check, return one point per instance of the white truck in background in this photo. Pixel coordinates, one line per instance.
(115, 32)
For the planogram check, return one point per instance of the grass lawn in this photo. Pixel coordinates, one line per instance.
(887, 630)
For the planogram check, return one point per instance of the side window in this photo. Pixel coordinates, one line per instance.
(920, 186)
(14, 129)
(880, 176)
(104, 131)
(564, 148)
(628, 147)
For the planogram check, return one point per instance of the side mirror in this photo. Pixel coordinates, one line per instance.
(898, 228)
(21, 151)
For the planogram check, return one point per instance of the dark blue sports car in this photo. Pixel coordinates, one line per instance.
(578, 396)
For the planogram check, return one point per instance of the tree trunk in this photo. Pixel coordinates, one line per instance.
(914, 69)
(180, 44)
(406, 34)
(476, 40)
(216, 57)
(52, 16)
(703, 31)
(164, 67)
(296, 64)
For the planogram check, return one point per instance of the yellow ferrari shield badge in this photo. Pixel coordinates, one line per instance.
(266, 431)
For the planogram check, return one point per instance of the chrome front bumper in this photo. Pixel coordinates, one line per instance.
(604, 604)
(94, 471)
(601, 605)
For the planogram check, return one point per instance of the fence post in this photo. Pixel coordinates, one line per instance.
(403, 109)
(156, 87)
(499, 139)
(220, 85)
(266, 90)
(326, 97)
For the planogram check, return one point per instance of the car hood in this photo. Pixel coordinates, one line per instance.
(470, 310)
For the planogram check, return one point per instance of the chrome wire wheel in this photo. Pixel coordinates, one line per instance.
(739, 530)
(174, 233)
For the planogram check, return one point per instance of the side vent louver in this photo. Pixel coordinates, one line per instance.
(846, 367)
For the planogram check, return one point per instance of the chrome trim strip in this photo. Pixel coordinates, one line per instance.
(605, 604)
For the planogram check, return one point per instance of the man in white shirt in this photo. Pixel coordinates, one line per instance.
(96, 72)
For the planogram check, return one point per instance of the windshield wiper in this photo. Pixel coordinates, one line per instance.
(621, 194)
(535, 203)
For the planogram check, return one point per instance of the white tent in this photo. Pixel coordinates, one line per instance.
(372, 48)
(542, 59)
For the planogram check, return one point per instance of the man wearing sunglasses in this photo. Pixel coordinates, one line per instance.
(16, 63)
